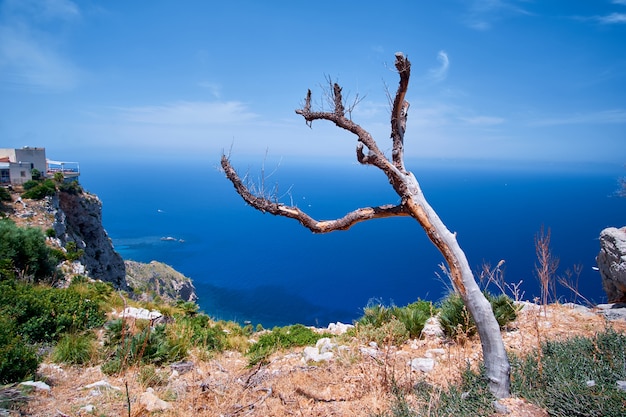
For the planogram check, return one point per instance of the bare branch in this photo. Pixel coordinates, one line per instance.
(265, 205)
(400, 111)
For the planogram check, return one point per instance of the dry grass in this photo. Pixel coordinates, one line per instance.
(353, 384)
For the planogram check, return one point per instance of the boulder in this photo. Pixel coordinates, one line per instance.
(612, 263)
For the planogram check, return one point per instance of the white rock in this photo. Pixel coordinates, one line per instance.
(431, 353)
(423, 364)
(153, 403)
(38, 385)
(621, 385)
(89, 408)
(591, 383)
(325, 345)
(101, 384)
(312, 354)
(339, 328)
(369, 351)
(432, 328)
(140, 313)
(373, 345)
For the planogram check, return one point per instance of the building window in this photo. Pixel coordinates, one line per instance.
(23, 174)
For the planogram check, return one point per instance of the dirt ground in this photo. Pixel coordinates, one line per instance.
(356, 382)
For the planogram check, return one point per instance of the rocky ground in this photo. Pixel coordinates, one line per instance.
(356, 381)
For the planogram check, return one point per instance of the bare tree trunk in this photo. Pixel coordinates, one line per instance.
(413, 203)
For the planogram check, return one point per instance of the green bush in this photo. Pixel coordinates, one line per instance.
(392, 332)
(72, 187)
(25, 250)
(4, 195)
(43, 314)
(37, 190)
(455, 319)
(557, 379)
(281, 338)
(17, 359)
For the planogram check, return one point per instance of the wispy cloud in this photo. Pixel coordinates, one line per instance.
(482, 14)
(601, 117)
(214, 88)
(29, 55)
(440, 73)
(611, 19)
(483, 120)
(189, 113)
(620, 2)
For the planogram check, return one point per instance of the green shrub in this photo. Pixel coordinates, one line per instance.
(557, 380)
(72, 187)
(412, 316)
(455, 318)
(281, 338)
(5, 196)
(25, 248)
(74, 349)
(17, 359)
(392, 332)
(43, 314)
(39, 189)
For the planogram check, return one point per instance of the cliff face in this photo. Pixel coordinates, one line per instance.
(78, 218)
(159, 279)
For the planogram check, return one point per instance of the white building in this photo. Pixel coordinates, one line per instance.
(17, 165)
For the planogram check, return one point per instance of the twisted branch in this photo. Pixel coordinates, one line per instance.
(316, 226)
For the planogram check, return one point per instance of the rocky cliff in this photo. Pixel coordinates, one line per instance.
(158, 279)
(78, 218)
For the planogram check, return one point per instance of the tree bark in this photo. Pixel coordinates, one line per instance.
(413, 203)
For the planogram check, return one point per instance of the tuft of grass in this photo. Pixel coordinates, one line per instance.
(393, 325)
(281, 338)
(74, 349)
(560, 383)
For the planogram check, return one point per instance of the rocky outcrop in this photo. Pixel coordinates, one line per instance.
(159, 279)
(78, 219)
(612, 263)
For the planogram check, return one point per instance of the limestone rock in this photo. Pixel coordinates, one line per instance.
(423, 364)
(612, 263)
(153, 403)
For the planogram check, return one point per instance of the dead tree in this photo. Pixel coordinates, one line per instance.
(412, 203)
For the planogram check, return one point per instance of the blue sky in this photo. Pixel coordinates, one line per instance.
(491, 79)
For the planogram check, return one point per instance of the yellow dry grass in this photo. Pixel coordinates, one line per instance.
(352, 384)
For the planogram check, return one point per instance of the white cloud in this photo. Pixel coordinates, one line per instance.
(214, 88)
(483, 13)
(27, 61)
(43, 9)
(189, 113)
(29, 54)
(613, 18)
(620, 2)
(440, 73)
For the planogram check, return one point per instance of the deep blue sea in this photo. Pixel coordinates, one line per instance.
(249, 266)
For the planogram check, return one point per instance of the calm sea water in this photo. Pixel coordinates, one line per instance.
(249, 266)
